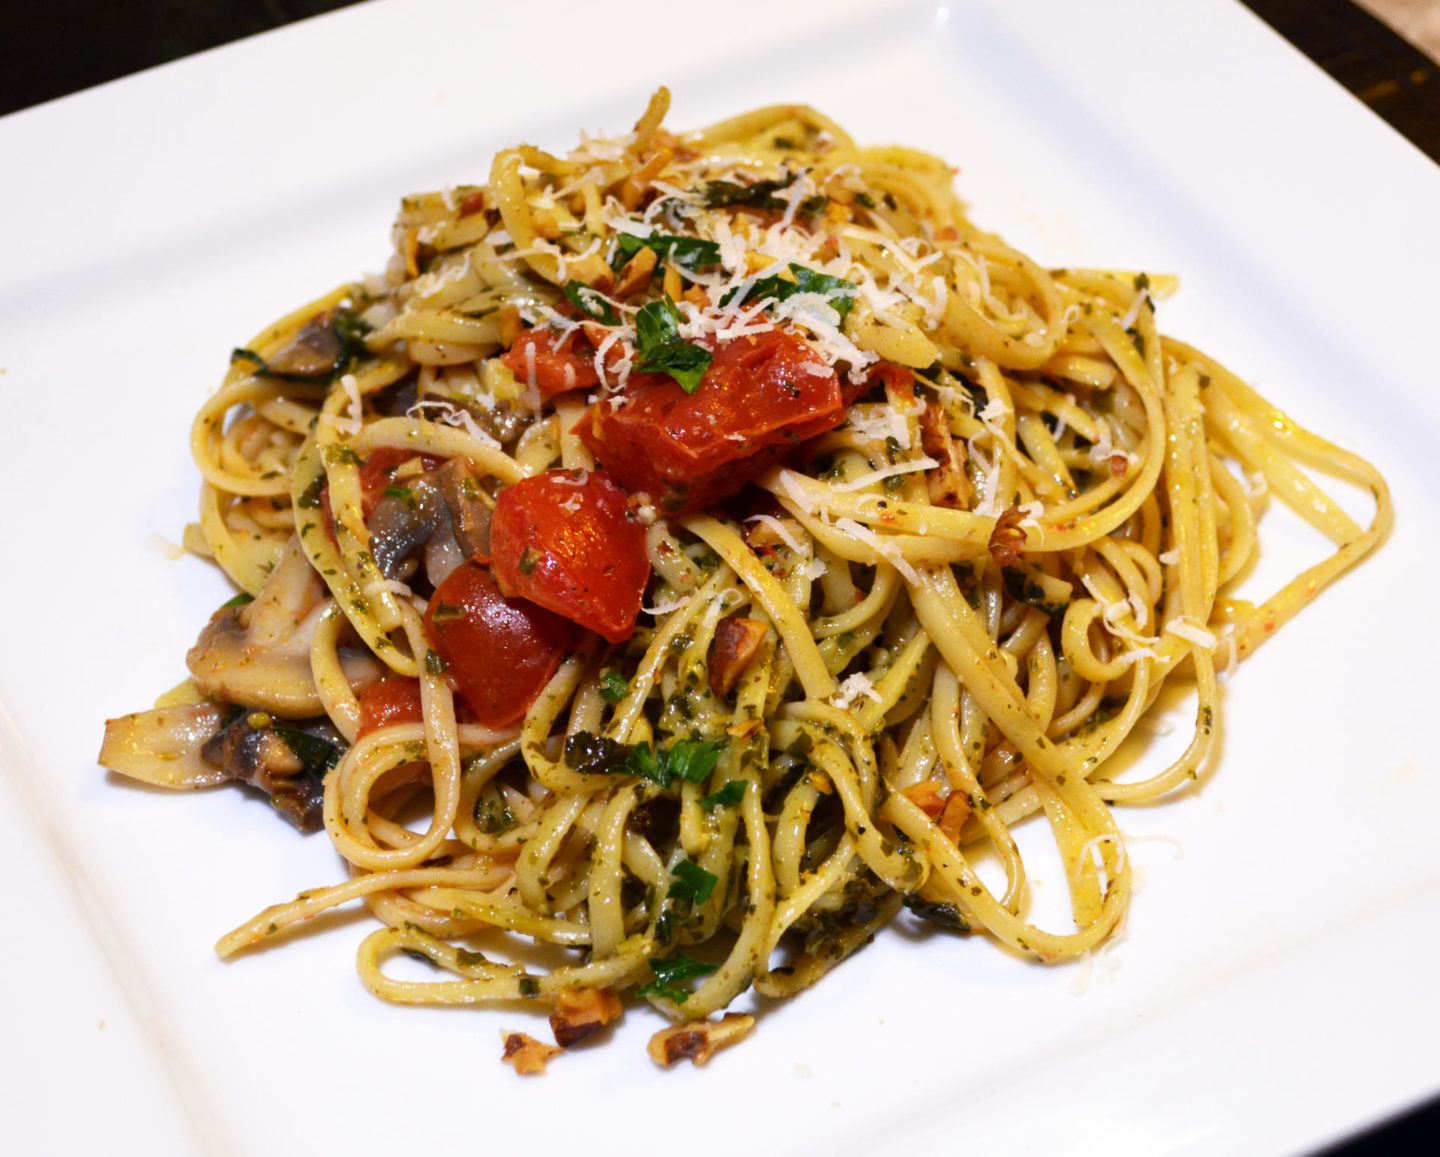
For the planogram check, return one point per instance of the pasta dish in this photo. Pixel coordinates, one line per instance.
(693, 550)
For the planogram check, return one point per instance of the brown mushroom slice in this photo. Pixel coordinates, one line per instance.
(258, 655)
(278, 760)
(316, 350)
(162, 746)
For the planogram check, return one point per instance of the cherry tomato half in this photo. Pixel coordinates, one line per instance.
(566, 539)
(761, 396)
(387, 702)
(569, 365)
(499, 652)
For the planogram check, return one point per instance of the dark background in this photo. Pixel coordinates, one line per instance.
(55, 47)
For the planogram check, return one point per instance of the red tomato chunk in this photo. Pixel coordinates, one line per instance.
(387, 702)
(570, 365)
(499, 652)
(761, 396)
(566, 539)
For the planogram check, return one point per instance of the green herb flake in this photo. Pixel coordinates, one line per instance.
(692, 883)
(613, 686)
(591, 302)
(657, 333)
(669, 973)
(434, 664)
(309, 498)
(760, 195)
(732, 793)
(838, 293)
(238, 601)
(692, 253)
(315, 753)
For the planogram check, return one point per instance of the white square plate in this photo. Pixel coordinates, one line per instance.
(1274, 988)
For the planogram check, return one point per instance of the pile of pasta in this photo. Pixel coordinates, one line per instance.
(870, 644)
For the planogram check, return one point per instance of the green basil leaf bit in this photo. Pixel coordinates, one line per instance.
(693, 759)
(760, 195)
(657, 324)
(692, 883)
(613, 686)
(692, 253)
(238, 601)
(668, 975)
(689, 759)
(657, 334)
(732, 793)
(591, 302)
(684, 362)
(838, 292)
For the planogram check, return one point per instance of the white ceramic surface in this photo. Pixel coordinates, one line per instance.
(1274, 988)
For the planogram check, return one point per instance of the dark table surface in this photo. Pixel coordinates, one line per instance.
(62, 46)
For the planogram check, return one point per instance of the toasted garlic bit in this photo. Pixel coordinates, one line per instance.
(582, 1012)
(698, 1040)
(525, 1054)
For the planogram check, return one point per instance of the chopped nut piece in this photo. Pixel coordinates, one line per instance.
(582, 1012)
(592, 270)
(635, 186)
(927, 796)
(510, 325)
(948, 483)
(952, 819)
(697, 1040)
(1007, 540)
(525, 1054)
(635, 276)
(545, 224)
(736, 642)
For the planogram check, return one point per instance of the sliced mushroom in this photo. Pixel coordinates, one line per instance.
(469, 507)
(254, 750)
(259, 654)
(162, 746)
(319, 349)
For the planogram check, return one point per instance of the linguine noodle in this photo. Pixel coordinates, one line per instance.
(865, 654)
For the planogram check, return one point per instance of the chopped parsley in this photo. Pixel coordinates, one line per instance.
(692, 883)
(668, 974)
(689, 759)
(613, 686)
(732, 793)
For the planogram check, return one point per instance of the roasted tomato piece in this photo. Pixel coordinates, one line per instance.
(760, 397)
(387, 702)
(886, 374)
(499, 653)
(559, 367)
(566, 539)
